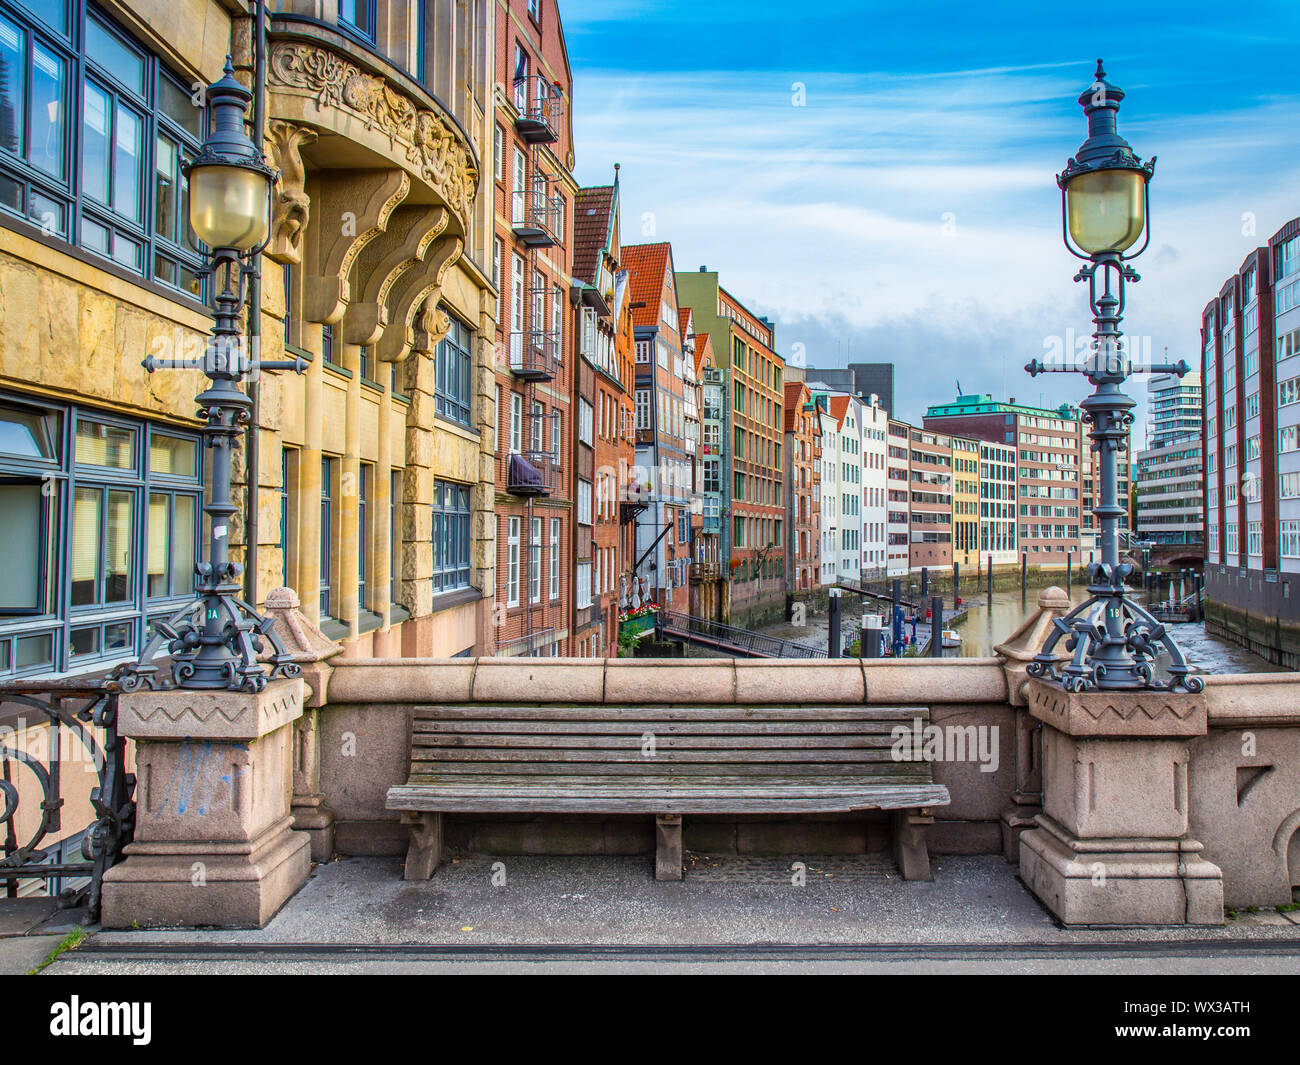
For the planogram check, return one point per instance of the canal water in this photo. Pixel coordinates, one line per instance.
(985, 626)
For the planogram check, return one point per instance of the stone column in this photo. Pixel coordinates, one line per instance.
(214, 843)
(1111, 845)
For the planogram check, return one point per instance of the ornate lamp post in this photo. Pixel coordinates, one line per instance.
(1114, 643)
(216, 639)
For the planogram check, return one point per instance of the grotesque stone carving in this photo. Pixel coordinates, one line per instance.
(291, 207)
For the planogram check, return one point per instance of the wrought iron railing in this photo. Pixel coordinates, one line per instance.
(730, 638)
(35, 720)
(540, 107)
(535, 354)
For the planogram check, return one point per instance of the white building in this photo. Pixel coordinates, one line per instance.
(830, 491)
(998, 503)
(873, 420)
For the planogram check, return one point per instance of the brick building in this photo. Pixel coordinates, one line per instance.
(803, 460)
(605, 423)
(536, 470)
(897, 499)
(665, 467)
(930, 488)
(1049, 482)
(753, 466)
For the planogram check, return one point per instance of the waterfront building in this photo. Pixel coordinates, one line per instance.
(930, 488)
(664, 472)
(370, 493)
(1049, 464)
(803, 460)
(828, 427)
(874, 419)
(966, 501)
(998, 503)
(1170, 479)
(537, 476)
(1250, 381)
(604, 429)
(898, 517)
(753, 535)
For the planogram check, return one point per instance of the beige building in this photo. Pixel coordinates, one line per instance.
(375, 466)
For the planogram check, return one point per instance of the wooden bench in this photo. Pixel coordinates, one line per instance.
(665, 761)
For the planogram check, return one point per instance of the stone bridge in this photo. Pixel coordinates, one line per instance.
(1131, 809)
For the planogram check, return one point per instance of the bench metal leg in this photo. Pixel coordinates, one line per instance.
(668, 847)
(910, 851)
(424, 854)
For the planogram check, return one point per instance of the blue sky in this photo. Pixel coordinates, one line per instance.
(903, 207)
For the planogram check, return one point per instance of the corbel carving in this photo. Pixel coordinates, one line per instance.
(352, 209)
(410, 233)
(291, 206)
(410, 291)
(431, 324)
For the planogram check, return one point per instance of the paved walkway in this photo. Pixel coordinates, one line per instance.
(729, 914)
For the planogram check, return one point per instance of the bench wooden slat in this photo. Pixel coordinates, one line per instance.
(794, 771)
(635, 740)
(646, 798)
(630, 753)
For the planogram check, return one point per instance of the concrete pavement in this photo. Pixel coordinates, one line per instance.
(604, 914)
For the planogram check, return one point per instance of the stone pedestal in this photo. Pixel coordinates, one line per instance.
(214, 841)
(1111, 846)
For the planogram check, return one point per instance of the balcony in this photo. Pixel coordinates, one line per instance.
(533, 473)
(538, 217)
(535, 354)
(705, 571)
(541, 109)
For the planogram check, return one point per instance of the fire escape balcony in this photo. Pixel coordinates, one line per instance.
(535, 354)
(541, 110)
(533, 473)
(538, 218)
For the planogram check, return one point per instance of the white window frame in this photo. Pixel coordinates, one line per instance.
(512, 562)
(535, 561)
(555, 558)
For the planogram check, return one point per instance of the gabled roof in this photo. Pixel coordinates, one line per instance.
(703, 351)
(647, 266)
(593, 224)
(839, 408)
(796, 394)
(684, 320)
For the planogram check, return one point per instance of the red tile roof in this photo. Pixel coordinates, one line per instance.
(839, 407)
(591, 227)
(796, 395)
(703, 350)
(647, 267)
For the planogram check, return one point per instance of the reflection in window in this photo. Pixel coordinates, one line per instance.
(26, 517)
(105, 445)
(358, 15)
(171, 545)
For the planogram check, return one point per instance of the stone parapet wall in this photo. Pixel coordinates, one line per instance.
(1244, 786)
(366, 723)
(1243, 771)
